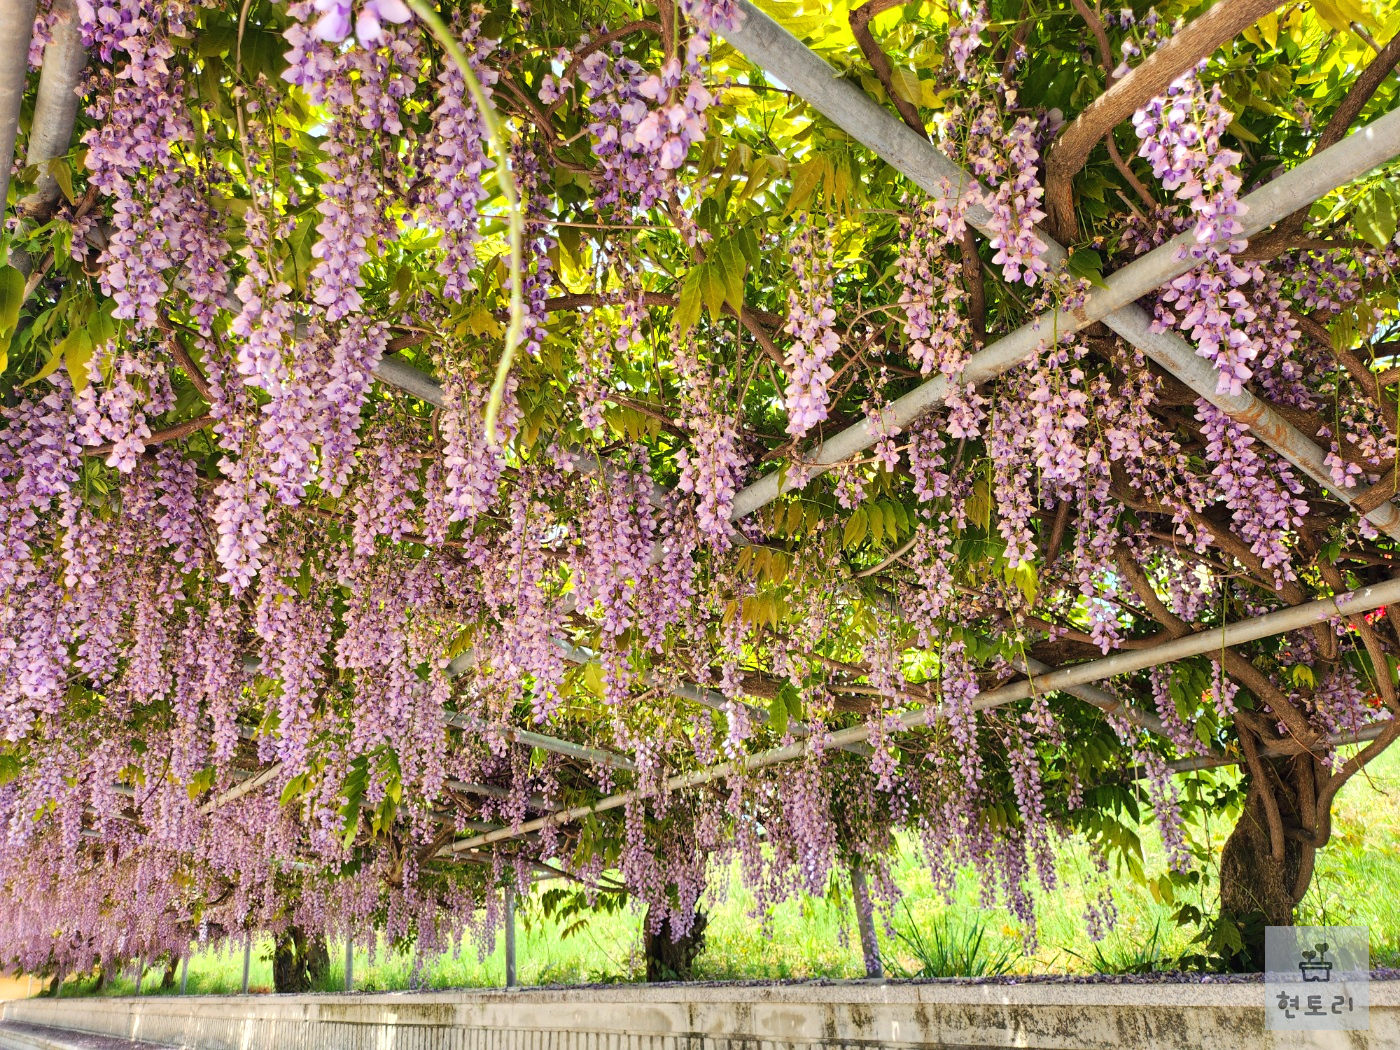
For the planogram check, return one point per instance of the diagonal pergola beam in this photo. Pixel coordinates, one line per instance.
(1196, 644)
(772, 48)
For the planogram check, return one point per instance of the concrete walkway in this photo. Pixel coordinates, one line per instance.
(815, 1016)
(16, 1035)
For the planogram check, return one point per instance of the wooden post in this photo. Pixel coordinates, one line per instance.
(184, 972)
(247, 960)
(865, 920)
(349, 963)
(510, 936)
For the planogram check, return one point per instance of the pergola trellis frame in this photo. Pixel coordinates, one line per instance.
(772, 48)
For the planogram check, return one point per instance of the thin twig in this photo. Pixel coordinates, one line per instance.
(506, 180)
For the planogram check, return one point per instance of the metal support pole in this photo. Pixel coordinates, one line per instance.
(510, 936)
(349, 963)
(247, 961)
(140, 971)
(865, 921)
(184, 973)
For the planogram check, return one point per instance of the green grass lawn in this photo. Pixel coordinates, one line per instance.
(1354, 885)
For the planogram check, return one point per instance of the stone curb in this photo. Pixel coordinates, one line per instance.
(1034, 1016)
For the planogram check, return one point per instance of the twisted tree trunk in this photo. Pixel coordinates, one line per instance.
(865, 921)
(299, 962)
(1260, 884)
(673, 959)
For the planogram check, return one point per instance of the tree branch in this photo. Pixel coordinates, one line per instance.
(860, 27)
(1288, 230)
(976, 294)
(598, 43)
(1176, 56)
(1322, 831)
(159, 437)
(1235, 665)
(1266, 793)
(1380, 666)
(1091, 19)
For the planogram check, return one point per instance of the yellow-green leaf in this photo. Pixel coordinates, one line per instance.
(778, 715)
(891, 519)
(732, 267)
(1268, 28)
(688, 306)
(481, 323)
(979, 505)
(76, 358)
(11, 299)
(906, 85)
(1340, 14)
(593, 678)
(856, 526)
(804, 183)
(713, 287)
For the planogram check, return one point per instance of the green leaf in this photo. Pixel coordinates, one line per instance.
(295, 787)
(732, 267)
(713, 288)
(50, 366)
(1375, 215)
(688, 306)
(856, 527)
(792, 698)
(876, 517)
(102, 326)
(1087, 264)
(778, 715)
(299, 242)
(748, 244)
(902, 516)
(63, 175)
(354, 790)
(1241, 132)
(11, 299)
